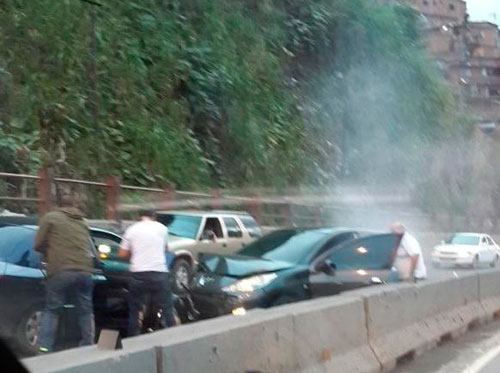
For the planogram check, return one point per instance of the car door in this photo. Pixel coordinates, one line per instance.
(484, 250)
(215, 245)
(108, 245)
(353, 264)
(492, 248)
(234, 233)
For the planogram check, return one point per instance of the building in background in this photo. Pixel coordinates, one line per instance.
(468, 53)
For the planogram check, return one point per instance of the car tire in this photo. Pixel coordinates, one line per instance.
(182, 272)
(493, 264)
(27, 332)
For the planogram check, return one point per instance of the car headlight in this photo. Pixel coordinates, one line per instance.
(250, 284)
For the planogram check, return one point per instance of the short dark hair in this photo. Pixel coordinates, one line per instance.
(67, 200)
(148, 213)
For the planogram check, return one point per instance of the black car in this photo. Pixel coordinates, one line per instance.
(22, 290)
(290, 265)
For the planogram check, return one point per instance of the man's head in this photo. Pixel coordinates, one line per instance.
(67, 200)
(398, 228)
(147, 213)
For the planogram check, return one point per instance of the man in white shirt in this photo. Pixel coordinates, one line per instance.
(145, 243)
(409, 247)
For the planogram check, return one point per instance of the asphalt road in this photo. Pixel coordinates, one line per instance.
(474, 352)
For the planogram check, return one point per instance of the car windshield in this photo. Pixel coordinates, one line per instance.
(16, 244)
(464, 239)
(181, 225)
(285, 245)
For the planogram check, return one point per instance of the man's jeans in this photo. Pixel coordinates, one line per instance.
(149, 284)
(63, 284)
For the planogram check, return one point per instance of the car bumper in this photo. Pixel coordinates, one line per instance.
(452, 260)
(210, 304)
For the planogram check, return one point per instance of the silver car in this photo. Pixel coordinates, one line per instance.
(192, 232)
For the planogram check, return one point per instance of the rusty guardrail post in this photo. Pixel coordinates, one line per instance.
(168, 196)
(255, 207)
(216, 196)
(45, 190)
(112, 197)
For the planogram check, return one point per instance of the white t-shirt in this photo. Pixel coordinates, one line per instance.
(146, 241)
(409, 246)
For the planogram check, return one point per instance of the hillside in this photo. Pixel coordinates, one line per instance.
(216, 92)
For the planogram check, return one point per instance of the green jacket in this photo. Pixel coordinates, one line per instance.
(63, 237)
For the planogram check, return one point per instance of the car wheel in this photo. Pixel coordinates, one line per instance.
(183, 273)
(475, 262)
(27, 333)
(493, 264)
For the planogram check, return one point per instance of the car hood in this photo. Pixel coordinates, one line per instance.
(447, 248)
(239, 266)
(176, 242)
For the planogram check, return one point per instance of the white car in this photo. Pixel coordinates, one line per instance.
(467, 249)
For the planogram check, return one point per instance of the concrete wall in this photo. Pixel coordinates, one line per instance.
(362, 331)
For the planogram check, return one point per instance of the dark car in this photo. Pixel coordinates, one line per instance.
(22, 290)
(290, 265)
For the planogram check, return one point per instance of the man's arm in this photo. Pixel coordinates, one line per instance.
(42, 235)
(124, 251)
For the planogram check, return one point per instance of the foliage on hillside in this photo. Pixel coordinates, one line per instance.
(215, 92)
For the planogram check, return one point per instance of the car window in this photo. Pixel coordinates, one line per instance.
(181, 225)
(251, 226)
(214, 225)
(337, 240)
(232, 227)
(110, 241)
(490, 241)
(288, 245)
(464, 239)
(373, 252)
(16, 246)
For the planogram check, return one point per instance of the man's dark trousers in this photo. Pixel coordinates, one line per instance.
(61, 285)
(149, 284)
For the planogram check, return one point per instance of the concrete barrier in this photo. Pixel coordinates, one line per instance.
(363, 331)
(330, 336)
(92, 360)
(489, 292)
(407, 319)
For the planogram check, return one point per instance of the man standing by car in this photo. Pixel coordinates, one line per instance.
(409, 260)
(64, 240)
(145, 243)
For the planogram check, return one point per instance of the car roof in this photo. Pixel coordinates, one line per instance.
(334, 230)
(34, 227)
(202, 212)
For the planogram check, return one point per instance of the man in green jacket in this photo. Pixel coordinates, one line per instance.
(64, 240)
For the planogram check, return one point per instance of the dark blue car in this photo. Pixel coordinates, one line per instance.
(22, 290)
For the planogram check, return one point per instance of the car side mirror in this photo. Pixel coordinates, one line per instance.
(327, 267)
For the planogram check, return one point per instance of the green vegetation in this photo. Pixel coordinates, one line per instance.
(216, 92)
